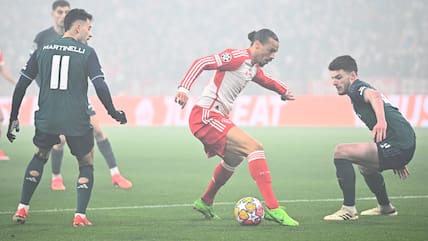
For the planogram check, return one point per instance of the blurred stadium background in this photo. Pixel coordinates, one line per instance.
(146, 46)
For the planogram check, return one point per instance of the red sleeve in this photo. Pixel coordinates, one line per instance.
(227, 60)
(269, 83)
(1, 58)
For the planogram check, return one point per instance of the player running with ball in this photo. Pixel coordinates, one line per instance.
(209, 120)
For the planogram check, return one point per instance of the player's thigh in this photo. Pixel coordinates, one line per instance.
(44, 142)
(364, 154)
(82, 147)
(239, 143)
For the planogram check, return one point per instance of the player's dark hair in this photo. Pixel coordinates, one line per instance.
(262, 35)
(60, 3)
(74, 15)
(344, 62)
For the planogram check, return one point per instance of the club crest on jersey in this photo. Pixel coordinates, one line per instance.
(226, 57)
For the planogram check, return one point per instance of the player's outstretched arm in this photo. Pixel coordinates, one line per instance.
(18, 96)
(13, 126)
(287, 96)
(104, 95)
(182, 97)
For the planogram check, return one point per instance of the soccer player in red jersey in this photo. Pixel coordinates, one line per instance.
(209, 119)
(6, 74)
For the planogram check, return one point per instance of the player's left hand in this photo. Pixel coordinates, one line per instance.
(181, 98)
(119, 116)
(287, 96)
(13, 126)
(402, 173)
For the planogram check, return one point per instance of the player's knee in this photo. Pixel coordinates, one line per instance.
(85, 162)
(230, 164)
(340, 151)
(43, 155)
(99, 134)
(254, 146)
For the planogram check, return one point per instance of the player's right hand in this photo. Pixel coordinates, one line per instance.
(402, 173)
(181, 98)
(119, 116)
(13, 125)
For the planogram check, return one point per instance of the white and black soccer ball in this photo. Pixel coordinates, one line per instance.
(249, 211)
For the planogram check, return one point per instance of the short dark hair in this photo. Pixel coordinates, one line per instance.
(262, 35)
(344, 62)
(60, 3)
(74, 15)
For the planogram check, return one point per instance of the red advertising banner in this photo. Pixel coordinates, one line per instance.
(248, 110)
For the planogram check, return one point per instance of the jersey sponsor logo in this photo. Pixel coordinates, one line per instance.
(226, 57)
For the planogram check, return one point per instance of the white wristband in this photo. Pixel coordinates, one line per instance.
(182, 89)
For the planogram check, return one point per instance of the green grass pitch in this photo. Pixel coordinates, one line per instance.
(169, 171)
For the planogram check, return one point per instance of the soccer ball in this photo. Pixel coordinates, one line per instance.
(249, 211)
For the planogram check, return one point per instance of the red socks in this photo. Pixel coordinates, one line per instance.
(260, 172)
(222, 173)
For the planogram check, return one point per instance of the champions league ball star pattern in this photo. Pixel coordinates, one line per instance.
(249, 211)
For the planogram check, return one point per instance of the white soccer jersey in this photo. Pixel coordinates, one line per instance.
(233, 71)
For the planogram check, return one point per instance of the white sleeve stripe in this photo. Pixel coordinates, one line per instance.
(26, 76)
(240, 53)
(217, 60)
(98, 76)
(195, 70)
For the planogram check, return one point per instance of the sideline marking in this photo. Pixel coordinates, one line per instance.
(217, 204)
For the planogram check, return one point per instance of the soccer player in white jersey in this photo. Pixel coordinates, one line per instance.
(209, 120)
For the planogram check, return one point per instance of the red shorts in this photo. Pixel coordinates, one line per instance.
(211, 128)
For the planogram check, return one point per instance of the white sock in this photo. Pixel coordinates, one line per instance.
(56, 176)
(26, 207)
(114, 170)
(80, 214)
(384, 207)
(352, 209)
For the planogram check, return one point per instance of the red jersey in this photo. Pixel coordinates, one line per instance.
(1, 58)
(233, 71)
